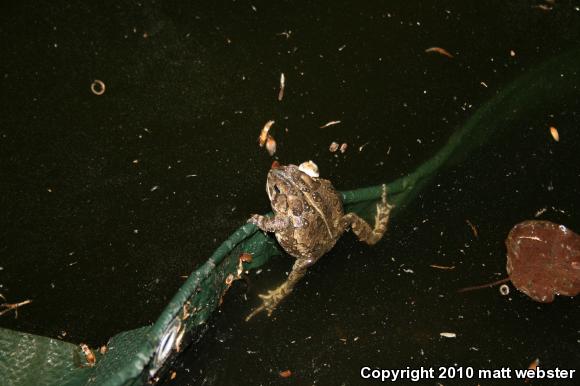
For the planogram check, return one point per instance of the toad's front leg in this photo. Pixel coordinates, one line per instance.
(269, 224)
(274, 297)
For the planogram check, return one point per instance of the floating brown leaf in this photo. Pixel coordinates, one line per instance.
(543, 260)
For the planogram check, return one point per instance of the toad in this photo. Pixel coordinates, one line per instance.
(308, 220)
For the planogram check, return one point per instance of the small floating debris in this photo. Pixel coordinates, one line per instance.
(98, 87)
(90, 357)
(440, 51)
(473, 228)
(282, 86)
(264, 133)
(448, 334)
(246, 257)
(555, 134)
(540, 212)
(331, 123)
(442, 266)
(7, 307)
(504, 289)
(286, 34)
(333, 147)
(271, 145)
(343, 147)
(543, 7)
(285, 374)
(360, 148)
(535, 363)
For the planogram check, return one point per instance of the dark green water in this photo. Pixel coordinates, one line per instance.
(99, 241)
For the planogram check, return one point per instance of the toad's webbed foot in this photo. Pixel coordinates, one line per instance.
(270, 301)
(383, 212)
(274, 297)
(363, 230)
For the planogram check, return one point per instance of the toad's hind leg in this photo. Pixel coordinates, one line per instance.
(363, 230)
(275, 296)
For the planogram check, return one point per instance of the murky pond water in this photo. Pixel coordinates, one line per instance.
(108, 200)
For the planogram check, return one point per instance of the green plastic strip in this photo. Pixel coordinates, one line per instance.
(138, 356)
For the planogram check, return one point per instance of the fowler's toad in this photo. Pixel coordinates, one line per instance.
(308, 220)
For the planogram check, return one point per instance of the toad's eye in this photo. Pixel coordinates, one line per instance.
(276, 189)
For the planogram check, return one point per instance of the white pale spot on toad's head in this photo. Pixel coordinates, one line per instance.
(309, 168)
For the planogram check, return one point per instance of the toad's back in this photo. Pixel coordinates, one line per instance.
(317, 228)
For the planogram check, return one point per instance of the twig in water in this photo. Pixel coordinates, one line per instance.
(7, 307)
(476, 287)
